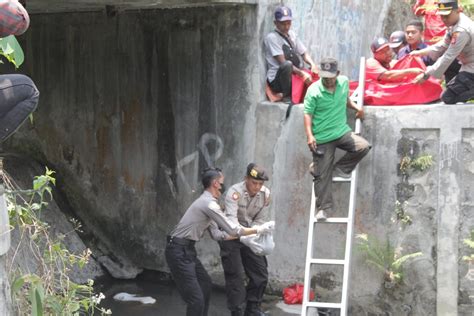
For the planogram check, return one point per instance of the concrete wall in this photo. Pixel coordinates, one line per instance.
(342, 29)
(132, 108)
(439, 201)
(135, 104)
(113, 7)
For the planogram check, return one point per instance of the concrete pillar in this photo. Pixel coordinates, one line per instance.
(5, 298)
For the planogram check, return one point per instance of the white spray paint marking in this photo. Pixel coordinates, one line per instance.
(193, 158)
(169, 172)
(203, 143)
(449, 152)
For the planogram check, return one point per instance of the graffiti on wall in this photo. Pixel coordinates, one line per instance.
(449, 153)
(190, 163)
(334, 28)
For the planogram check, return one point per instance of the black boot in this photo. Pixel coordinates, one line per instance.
(236, 313)
(253, 309)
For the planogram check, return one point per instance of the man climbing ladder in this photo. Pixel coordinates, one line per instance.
(327, 103)
(325, 123)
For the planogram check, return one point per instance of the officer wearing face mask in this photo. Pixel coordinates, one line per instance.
(192, 280)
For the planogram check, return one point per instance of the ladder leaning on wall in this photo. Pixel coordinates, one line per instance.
(358, 97)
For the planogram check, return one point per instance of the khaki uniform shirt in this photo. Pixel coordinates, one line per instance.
(243, 209)
(204, 214)
(458, 42)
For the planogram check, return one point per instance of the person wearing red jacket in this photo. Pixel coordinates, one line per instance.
(378, 68)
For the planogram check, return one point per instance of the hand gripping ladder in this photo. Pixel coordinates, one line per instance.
(357, 96)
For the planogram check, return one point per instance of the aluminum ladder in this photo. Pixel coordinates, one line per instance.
(358, 97)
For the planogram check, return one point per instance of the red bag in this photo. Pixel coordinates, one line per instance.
(403, 93)
(298, 88)
(294, 294)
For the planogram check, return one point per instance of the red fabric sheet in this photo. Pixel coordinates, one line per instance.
(298, 88)
(434, 29)
(402, 93)
(434, 26)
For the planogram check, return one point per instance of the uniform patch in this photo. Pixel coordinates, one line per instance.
(235, 196)
(454, 37)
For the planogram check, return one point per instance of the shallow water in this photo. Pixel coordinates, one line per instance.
(168, 300)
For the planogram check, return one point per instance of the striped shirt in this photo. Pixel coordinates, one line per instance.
(14, 19)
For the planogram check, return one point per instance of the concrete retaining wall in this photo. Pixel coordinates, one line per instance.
(438, 200)
(135, 104)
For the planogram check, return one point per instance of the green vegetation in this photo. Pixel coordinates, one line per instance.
(48, 290)
(11, 50)
(401, 214)
(420, 163)
(468, 6)
(470, 244)
(384, 257)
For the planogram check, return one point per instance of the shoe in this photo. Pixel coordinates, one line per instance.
(253, 309)
(321, 216)
(338, 173)
(311, 169)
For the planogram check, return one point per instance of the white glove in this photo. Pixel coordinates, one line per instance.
(266, 227)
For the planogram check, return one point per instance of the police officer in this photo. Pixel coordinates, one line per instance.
(245, 204)
(192, 280)
(458, 42)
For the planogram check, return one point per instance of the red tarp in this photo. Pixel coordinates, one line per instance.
(401, 93)
(298, 88)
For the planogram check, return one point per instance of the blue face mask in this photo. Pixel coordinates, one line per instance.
(222, 189)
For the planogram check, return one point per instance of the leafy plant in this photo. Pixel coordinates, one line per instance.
(384, 257)
(11, 50)
(420, 163)
(48, 290)
(468, 7)
(401, 214)
(470, 244)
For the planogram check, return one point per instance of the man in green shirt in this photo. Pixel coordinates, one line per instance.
(325, 123)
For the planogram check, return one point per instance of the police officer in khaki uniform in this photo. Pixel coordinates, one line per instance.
(192, 280)
(245, 204)
(458, 42)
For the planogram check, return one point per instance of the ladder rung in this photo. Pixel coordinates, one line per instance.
(332, 220)
(328, 261)
(340, 179)
(324, 305)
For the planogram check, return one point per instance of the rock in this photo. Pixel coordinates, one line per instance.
(119, 270)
